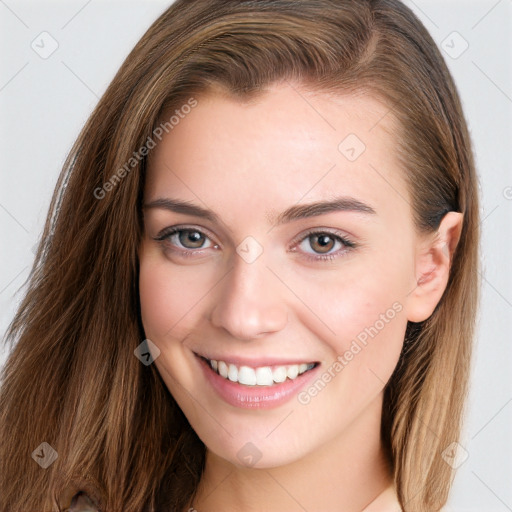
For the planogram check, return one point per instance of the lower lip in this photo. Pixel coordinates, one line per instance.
(255, 397)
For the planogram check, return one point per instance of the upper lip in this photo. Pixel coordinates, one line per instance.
(256, 362)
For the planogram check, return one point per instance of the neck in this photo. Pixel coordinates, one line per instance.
(345, 473)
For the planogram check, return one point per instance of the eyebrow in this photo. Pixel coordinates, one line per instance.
(296, 212)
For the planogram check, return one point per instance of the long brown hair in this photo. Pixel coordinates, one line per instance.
(72, 379)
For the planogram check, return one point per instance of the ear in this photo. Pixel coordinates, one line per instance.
(433, 262)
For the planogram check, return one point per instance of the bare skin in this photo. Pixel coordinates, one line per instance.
(248, 163)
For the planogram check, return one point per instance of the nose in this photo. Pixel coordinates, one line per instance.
(250, 304)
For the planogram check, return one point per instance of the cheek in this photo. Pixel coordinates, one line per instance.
(168, 297)
(362, 320)
(159, 307)
(368, 308)
(368, 320)
(167, 300)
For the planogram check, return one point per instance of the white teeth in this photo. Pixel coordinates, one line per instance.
(264, 376)
(223, 369)
(233, 373)
(279, 374)
(292, 371)
(247, 376)
(261, 376)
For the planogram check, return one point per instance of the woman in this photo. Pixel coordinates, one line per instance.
(257, 285)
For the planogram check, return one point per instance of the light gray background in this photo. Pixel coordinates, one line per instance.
(45, 101)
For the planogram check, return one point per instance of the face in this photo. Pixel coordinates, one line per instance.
(237, 268)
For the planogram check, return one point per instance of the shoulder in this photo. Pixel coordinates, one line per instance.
(82, 503)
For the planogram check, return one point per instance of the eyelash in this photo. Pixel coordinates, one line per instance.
(166, 234)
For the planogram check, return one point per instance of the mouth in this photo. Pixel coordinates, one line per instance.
(260, 375)
(264, 387)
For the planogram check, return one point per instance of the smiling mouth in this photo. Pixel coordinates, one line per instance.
(258, 376)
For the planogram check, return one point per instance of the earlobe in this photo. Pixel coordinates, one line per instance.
(433, 263)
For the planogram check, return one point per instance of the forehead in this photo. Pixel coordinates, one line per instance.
(286, 146)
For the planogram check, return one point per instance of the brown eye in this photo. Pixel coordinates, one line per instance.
(191, 239)
(323, 245)
(184, 240)
(324, 242)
